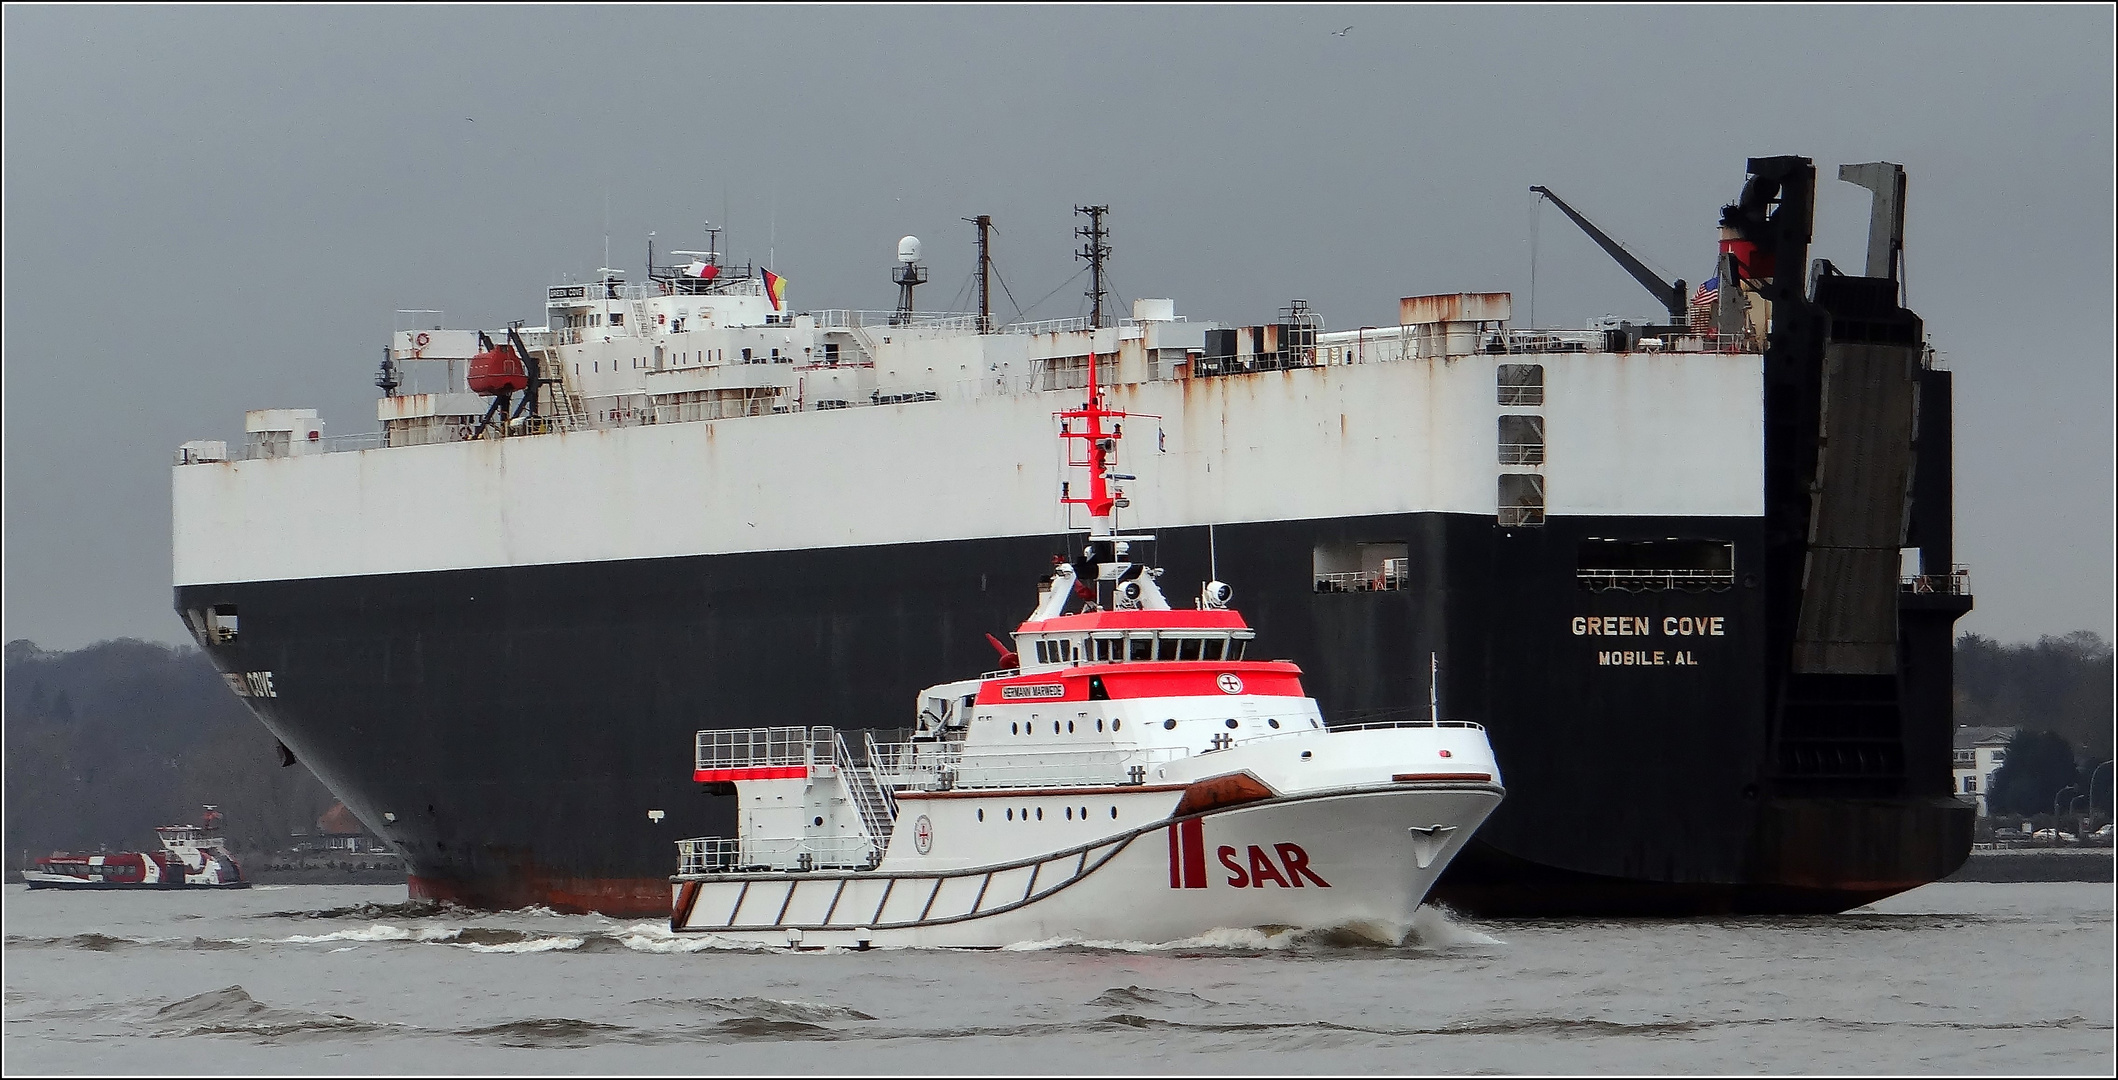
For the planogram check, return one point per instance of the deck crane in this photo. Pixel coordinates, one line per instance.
(1669, 293)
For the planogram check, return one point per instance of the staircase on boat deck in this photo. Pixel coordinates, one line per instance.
(878, 810)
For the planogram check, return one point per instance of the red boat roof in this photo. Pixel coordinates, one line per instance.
(1177, 619)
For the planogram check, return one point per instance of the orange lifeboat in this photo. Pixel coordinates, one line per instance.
(498, 372)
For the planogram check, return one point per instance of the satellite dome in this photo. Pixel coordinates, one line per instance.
(908, 250)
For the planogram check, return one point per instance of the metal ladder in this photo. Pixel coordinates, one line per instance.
(878, 812)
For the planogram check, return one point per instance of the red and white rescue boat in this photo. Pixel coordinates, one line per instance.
(1131, 775)
(189, 859)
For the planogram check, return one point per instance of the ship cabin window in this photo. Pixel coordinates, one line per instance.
(1141, 647)
(1520, 384)
(1521, 439)
(1521, 499)
(221, 623)
(617, 318)
(1211, 648)
(1188, 648)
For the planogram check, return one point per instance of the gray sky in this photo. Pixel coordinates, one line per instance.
(211, 210)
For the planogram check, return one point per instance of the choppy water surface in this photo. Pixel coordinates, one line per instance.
(1952, 977)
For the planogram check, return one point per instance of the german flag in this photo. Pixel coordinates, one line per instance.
(775, 287)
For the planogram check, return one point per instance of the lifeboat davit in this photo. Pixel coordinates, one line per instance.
(497, 372)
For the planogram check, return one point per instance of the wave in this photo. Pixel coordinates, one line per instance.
(758, 1008)
(232, 1011)
(376, 932)
(1137, 996)
(409, 909)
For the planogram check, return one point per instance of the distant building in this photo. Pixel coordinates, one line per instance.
(1979, 753)
(343, 832)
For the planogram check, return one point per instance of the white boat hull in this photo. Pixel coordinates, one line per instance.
(1357, 858)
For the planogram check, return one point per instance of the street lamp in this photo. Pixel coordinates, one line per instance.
(2091, 792)
(2055, 810)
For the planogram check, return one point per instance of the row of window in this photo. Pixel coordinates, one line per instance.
(1146, 646)
(1011, 813)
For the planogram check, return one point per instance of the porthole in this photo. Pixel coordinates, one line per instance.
(1114, 724)
(1113, 812)
(1069, 813)
(1099, 725)
(1231, 722)
(1170, 724)
(1084, 813)
(1069, 727)
(1011, 815)
(981, 815)
(1055, 727)
(1040, 813)
(819, 821)
(1272, 723)
(1013, 729)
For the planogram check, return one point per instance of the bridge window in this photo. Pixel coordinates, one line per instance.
(1213, 646)
(1188, 648)
(221, 622)
(1142, 647)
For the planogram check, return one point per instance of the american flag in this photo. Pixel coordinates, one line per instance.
(1702, 305)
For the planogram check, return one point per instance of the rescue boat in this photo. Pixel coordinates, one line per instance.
(1131, 773)
(188, 859)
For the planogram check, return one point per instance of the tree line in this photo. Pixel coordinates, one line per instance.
(2058, 692)
(105, 743)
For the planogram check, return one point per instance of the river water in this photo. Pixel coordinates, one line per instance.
(2002, 978)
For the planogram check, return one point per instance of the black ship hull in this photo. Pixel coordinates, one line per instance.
(511, 731)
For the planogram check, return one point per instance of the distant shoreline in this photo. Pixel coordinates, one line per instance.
(2036, 864)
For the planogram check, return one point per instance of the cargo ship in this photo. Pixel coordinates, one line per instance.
(1693, 576)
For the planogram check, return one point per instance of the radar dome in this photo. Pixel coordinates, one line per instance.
(908, 250)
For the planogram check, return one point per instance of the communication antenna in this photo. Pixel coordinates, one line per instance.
(909, 273)
(1213, 556)
(1096, 249)
(1434, 688)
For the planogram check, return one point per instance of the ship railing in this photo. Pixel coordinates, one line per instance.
(929, 766)
(737, 854)
(1957, 582)
(262, 449)
(1655, 580)
(742, 748)
(1555, 340)
(1389, 578)
(1076, 325)
(848, 319)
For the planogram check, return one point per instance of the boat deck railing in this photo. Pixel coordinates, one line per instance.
(733, 854)
(742, 748)
(1957, 582)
